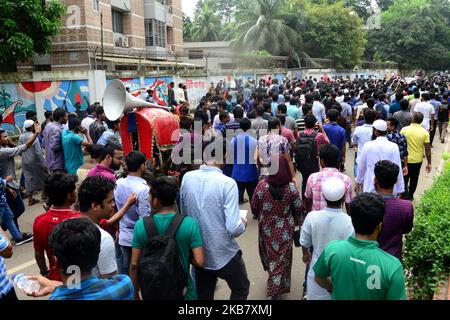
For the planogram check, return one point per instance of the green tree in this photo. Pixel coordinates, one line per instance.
(207, 25)
(414, 33)
(261, 25)
(187, 27)
(26, 28)
(332, 32)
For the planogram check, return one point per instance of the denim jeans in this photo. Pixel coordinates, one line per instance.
(125, 259)
(234, 273)
(7, 217)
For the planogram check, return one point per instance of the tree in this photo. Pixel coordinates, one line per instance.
(26, 28)
(206, 25)
(187, 27)
(332, 32)
(414, 33)
(261, 25)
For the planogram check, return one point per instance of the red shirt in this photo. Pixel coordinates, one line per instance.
(43, 227)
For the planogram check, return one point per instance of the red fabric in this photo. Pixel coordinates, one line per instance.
(283, 176)
(145, 131)
(43, 227)
(125, 135)
(37, 86)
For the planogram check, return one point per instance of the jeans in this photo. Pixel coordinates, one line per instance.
(432, 134)
(412, 178)
(10, 296)
(234, 273)
(124, 259)
(355, 167)
(249, 186)
(305, 176)
(7, 217)
(443, 130)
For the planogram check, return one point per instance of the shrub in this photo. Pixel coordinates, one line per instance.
(427, 247)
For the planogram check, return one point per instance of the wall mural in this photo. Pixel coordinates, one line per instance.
(18, 98)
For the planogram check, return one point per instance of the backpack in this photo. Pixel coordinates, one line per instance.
(160, 274)
(305, 153)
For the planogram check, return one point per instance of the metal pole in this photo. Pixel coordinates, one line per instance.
(101, 34)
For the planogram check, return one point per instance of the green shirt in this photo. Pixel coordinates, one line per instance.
(73, 155)
(359, 270)
(188, 236)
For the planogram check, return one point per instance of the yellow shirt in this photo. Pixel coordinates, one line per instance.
(416, 137)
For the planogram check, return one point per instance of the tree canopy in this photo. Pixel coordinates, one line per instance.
(26, 28)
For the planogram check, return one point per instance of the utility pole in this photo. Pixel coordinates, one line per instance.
(101, 34)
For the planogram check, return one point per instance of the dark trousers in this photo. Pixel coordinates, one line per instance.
(433, 132)
(305, 176)
(249, 186)
(234, 273)
(412, 178)
(10, 296)
(124, 260)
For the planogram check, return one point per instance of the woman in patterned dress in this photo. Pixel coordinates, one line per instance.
(277, 203)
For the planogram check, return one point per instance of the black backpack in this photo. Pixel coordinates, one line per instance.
(160, 274)
(306, 153)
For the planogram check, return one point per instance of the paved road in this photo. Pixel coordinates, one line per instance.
(23, 258)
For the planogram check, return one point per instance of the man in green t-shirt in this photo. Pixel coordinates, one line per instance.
(163, 192)
(356, 269)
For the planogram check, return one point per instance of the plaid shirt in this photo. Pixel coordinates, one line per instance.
(118, 287)
(5, 282)
(399, 139)
(314, 187)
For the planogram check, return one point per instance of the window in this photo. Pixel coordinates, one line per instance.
(96, 5)
(195, 54)
(155, 33)
(117, 21)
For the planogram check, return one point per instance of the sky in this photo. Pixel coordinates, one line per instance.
(189, 7)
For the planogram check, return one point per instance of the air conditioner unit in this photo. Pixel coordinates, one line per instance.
(122, 42)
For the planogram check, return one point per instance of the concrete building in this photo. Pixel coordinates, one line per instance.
(136, 33)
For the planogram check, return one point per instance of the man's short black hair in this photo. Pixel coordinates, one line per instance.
(245, 124)
(260, 111)
(95, 150)
(59, 114)
(91, 109)
(223, 115)
(282, 119)
(100, 111)
(222, 105)
(111, 124)
(274, 123)
(367, 211)
(74, 124)
(418, 117)
(425, 96)
(134, 160)
(404, 104)
(108, 149)
(386, 173)
(282, 108)
(94, 190)
(329, 153)
(201, 114)
(310, 121)
(370, 116)
(306, 108)
(76, 242)
(333, 115)
(58, 185)
(393, 121)
(417, 94)
(238, 112)
(309, 98)
(165, 189)
(371, 103)
(30, 114)
(48, 114)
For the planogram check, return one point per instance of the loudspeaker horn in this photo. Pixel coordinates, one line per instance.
(117, 101)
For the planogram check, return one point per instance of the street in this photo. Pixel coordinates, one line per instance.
(23, 257)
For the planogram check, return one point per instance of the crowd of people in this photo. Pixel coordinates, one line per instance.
(113, 221)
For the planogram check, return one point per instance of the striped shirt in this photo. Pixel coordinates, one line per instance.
(300, 123)
(118, 287)
(5, 283)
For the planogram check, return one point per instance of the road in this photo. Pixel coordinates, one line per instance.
(23, 258)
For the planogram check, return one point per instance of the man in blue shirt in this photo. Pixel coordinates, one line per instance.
(212, 199)
(76, 243)
(245, 171)
(72, 143)
(336, 134)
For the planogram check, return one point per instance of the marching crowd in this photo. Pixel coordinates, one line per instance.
(130, 234)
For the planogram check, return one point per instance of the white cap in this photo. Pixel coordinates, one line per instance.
(333, 189)
(380, 125)
(28, 124)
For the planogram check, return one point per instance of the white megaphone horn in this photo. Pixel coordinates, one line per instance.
(117, 101)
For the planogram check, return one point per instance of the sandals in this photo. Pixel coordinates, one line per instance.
(32, 201)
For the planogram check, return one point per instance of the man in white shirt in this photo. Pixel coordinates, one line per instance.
(91, 116)
(363, 134)
(427, 110)
(318, 109)
(374, 151)
(322, 227)
(179, 94)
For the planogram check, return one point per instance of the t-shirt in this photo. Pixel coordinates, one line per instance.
(427, 110)
(43, 227)
(337, 135)
(73, 155)
(188, 236)
(107, 262)
(360, 270)
(416, 137)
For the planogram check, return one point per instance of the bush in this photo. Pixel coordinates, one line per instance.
(427, 247)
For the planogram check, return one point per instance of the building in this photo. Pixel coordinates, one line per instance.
(219, 56)
(134, 34)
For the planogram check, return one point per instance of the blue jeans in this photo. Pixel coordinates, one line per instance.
(7, 217)
(125, 259)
